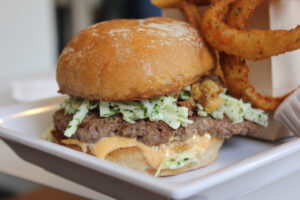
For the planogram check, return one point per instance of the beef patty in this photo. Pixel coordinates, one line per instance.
(93, 128)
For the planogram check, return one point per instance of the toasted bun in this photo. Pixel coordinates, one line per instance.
(134, 154)
(133, 59)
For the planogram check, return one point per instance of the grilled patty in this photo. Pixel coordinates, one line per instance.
(93, 128)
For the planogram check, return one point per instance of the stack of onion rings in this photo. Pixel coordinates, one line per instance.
(234, 68)
(236, 44)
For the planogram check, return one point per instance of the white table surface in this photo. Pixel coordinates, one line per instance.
(11, 164)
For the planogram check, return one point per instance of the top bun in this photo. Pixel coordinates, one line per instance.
(122, 60)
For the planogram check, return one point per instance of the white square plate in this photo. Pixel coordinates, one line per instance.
(244, 164)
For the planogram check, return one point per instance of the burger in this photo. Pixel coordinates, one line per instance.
(144, 94)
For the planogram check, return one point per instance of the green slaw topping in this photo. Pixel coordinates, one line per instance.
(157, 109)
(81, 112)
(237, 111)
(163, 108)
(177, 161)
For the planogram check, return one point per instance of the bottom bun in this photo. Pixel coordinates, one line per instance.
(133, 154)
(133, 157)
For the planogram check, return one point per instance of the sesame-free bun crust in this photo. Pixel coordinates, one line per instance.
(132, 59)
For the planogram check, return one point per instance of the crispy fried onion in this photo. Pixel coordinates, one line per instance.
(190, 104)
(252, 44)
(207, 94)
(235, 68)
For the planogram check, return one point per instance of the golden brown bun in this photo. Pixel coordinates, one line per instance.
(133, 59)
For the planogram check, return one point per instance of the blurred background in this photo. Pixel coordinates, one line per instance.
(74, 15)
(33, 33)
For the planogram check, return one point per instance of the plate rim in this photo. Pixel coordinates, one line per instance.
(138, 178)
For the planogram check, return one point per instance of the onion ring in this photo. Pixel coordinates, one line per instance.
(192, 14)
(253, 44)
(236, 74)
(240, 12)
(266, 103)
(235, 69)
(238, 85)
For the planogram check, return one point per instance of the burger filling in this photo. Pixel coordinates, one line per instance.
(196, 110)
(93, 128)
(206, 100)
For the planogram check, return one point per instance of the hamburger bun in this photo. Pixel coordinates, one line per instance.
(124, 59)
(133, 157)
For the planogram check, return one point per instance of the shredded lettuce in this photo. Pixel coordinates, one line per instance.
(256, 115)
(237, 111)
(201, 111)
(177, 161)
(105, 109)
(157, 109)
(71, 105)
(161, 108)
(83, 109)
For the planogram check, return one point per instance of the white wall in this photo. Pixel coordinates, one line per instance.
(27, 36)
